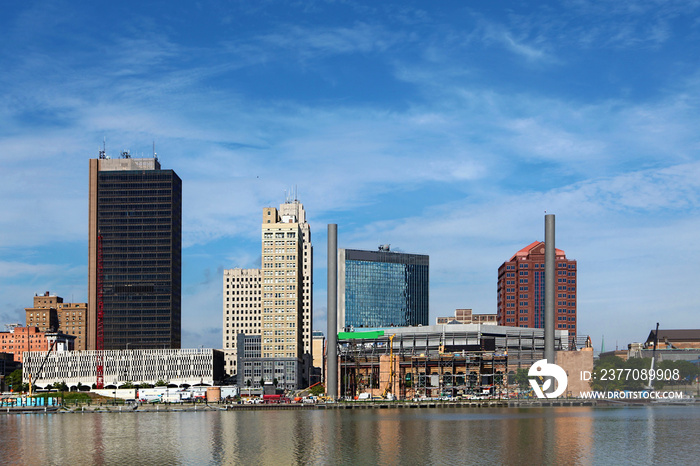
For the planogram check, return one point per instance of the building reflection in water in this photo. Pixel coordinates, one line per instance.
(576, 435)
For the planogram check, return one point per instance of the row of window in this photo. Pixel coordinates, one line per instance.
(279, 235)
(541, 265)
(245, 279)
(279, 265)
(279, 273)
(279, 258)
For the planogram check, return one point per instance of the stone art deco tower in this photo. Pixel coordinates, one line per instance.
(274, 301)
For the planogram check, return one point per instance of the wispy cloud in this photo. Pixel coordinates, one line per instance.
(16, 269)
(603, 223)
(471, 122)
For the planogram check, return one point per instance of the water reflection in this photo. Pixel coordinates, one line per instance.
(373, 436)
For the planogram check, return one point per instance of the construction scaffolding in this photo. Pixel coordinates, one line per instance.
(450, 360)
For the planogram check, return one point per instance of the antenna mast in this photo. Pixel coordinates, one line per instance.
(103, 152)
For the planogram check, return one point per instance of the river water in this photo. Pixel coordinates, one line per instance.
(567, 435)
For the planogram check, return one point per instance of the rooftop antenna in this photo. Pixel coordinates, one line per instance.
(155, 156)
(103, 152)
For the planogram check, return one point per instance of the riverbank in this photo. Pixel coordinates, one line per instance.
(202, 407)
(157, 407)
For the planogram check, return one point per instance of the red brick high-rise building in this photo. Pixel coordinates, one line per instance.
(521, 290)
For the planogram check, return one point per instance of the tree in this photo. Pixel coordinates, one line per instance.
(317, 390)
(602, 379)
(675, 373)
(14, 381)
(522, 379)
(161, 383)
(612, 373)
(60, 386)
(688, 371)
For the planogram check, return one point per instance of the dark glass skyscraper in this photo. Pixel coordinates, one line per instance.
(382, 288)
(137, 209)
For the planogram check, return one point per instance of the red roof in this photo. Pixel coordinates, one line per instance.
(527, 249)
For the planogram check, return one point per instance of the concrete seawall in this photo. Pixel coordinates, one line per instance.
(150, 408)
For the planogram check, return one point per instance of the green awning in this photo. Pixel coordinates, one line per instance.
(360, 335)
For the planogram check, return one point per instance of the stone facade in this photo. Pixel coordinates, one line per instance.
(574, 363)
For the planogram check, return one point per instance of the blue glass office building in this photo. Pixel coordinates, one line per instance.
(382, 288)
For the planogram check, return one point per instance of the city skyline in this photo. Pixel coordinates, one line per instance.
(446, 130)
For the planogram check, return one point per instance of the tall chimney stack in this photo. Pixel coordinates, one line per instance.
(332, 317)
(549, 283)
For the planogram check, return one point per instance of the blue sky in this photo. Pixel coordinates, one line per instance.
(443, 128)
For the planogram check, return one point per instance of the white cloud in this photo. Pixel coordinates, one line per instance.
(602, 223)
(477, 161)
(15, 269)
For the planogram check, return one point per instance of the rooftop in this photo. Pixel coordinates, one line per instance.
(527, 250)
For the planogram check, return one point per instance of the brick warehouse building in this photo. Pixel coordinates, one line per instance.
(521, 290)
(50, 313)
(20, 340)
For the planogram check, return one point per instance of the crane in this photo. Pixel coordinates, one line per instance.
(99, 340)
(38, 372)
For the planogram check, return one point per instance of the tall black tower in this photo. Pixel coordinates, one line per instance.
(137, 210)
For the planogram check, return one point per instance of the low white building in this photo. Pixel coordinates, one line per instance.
(179, 367)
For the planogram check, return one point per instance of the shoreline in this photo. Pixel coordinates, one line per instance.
(125, 409)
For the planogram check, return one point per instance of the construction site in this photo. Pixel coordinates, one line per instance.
(442, 360)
